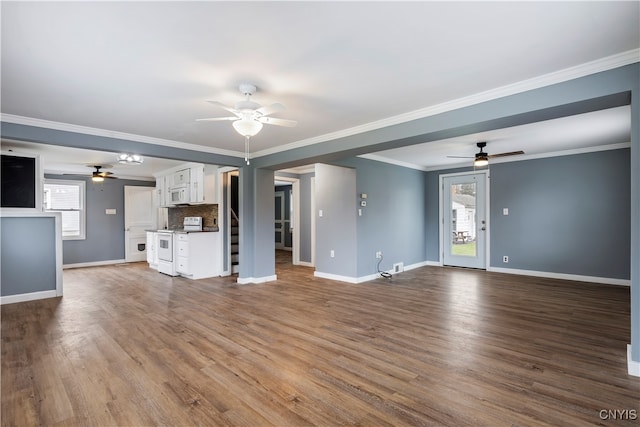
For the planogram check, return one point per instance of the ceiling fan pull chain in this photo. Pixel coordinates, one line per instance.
(246, 149)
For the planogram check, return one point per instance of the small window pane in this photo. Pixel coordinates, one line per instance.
(70, 223)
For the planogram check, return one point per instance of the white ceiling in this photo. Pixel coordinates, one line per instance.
(146, 68)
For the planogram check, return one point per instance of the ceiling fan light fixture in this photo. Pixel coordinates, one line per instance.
(247, 127)
(480, 161)
(96, 178)
(130, 159)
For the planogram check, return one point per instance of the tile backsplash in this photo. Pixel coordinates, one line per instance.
(209, 214)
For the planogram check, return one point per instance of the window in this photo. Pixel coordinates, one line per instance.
(67, 197)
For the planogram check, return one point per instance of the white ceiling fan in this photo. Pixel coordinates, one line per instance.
(249, 116)
(482, 159)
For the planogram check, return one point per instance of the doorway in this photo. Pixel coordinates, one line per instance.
(287, 217)
(139, 216)
(282, 219)
(464, 217)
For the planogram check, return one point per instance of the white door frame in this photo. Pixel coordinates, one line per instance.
(487, 241)
(295, 239)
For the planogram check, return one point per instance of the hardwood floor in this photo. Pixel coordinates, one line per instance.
(128, 346)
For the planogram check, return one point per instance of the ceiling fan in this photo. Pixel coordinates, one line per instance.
(482, 159)
(250, 110)
(97, 175)
(249, 116)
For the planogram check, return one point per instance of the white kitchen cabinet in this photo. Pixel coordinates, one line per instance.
(161, 191)
(199, 179)
(197, 254)
(203, 184)
(180, 178)
(152, 253)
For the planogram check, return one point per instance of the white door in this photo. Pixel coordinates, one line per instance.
(464, 220)
(139, 215)
(279, 219)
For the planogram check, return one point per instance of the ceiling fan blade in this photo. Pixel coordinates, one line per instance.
(104, 174)
(277, 122)
(270, 109)
(221, 105)
(460, 157)
(511, 153)
(217, 119)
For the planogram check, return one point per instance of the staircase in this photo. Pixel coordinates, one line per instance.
(235, 243)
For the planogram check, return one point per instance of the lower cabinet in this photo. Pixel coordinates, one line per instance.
(197, 255)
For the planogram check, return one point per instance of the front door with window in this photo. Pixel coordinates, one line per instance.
(464, 220)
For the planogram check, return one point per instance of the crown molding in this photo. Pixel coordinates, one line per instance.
(382, 159)
(67, 127)
(379, 158)
(582, 70)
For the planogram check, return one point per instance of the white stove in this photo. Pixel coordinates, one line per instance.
(192, 223)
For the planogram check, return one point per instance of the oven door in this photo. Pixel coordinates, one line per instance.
(165, 247)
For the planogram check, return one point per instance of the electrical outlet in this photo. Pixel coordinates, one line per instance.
(505, 259)
(378, 254)
(332, 253)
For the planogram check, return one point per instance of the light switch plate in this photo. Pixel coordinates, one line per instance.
(505, 211)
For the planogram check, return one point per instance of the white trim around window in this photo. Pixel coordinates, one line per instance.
(73, 211)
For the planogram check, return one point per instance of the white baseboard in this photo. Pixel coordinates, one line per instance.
(416, 265)
(562, 276)
(94, 264)
(247, 280)
(335, 277)
(434, 263)
(11, 299)
(632, 365)
(366, 278)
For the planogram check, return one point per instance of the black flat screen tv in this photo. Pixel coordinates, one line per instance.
(18, 182)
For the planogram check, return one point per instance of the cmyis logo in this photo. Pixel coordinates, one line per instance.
(618, 414)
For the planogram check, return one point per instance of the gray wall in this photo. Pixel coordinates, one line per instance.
(336, 229)
(104, 233)
(393, 220)
(28, 255)
(305, 217)
(568, 214)
(256, 200)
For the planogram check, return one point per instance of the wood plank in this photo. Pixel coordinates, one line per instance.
(431, 346)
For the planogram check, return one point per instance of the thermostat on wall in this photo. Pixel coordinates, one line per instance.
(110, 211)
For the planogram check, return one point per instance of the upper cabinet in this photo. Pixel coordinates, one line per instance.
(194, 182)
(181, 178)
